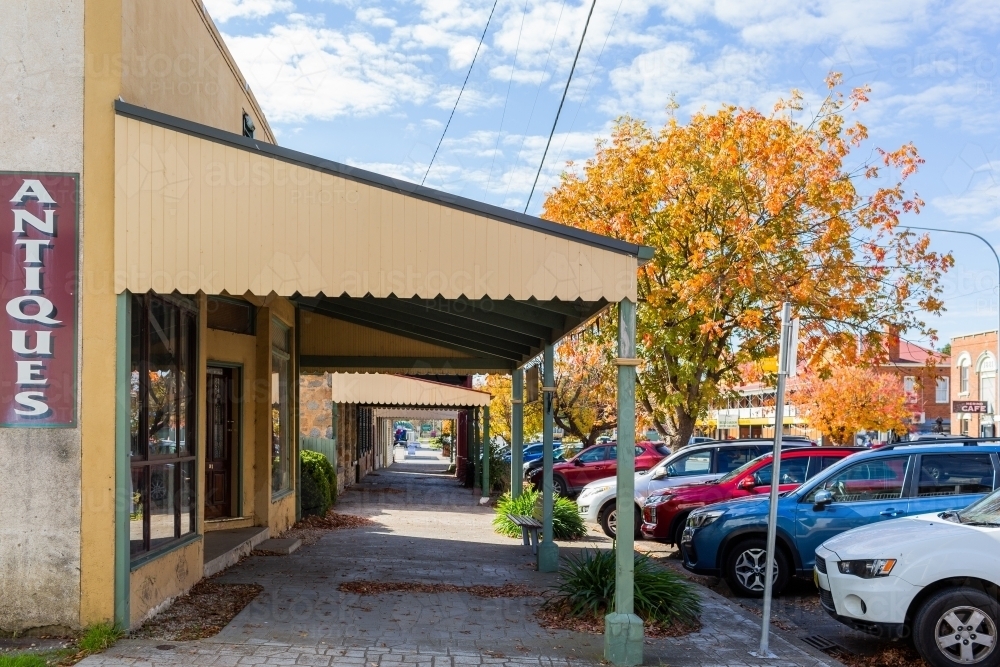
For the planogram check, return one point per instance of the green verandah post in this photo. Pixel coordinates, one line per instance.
(548, 550)
(623, 633)
(517, 433)
(487, 449)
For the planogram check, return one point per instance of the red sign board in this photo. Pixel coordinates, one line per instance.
(970, 407)
(39, 219)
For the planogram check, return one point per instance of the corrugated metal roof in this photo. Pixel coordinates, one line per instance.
(398, 390)
(198, 209)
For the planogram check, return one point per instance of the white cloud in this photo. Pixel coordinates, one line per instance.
(300, 70)
(223, 10)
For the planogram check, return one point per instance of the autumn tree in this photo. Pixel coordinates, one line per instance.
(501, 415)
(586, 384)
(746, 210)
(852, 399)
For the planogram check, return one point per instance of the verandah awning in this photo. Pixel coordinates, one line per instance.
(399, 391)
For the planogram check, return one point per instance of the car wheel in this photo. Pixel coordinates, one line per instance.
(609, 521)
(744, 570)
(559, 486)
(958, 626)
(679, 530)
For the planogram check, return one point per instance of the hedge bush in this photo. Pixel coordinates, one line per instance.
(566, 521)
(319, 483)
(587, 588)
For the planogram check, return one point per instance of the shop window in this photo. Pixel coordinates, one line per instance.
(963, 379)
(163, 421)
(231, 315)
(909, 385)
(280, 447)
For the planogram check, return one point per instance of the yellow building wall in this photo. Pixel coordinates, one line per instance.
(162, 579)
(174, 61)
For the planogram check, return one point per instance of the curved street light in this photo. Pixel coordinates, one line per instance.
(996, 372)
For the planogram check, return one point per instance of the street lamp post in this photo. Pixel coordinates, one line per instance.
(996, 373)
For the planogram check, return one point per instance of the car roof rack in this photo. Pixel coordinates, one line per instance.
(941, 442)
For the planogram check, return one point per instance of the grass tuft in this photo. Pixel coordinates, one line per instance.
(26, 660)
(99, 637)
(587, 589)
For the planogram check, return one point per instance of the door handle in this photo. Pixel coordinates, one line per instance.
(890, 512)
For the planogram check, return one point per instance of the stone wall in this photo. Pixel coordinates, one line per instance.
(315, 406)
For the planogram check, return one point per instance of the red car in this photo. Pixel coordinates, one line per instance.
(597, 462)
(666, 511)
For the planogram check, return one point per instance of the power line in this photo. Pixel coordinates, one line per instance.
(561, 102)
(538, 91)
(590, 79)
(510, 82)
(467, 75)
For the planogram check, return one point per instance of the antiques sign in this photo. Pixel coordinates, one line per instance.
(39, 216)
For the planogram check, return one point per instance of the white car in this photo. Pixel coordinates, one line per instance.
(694, 464)
(935, 576)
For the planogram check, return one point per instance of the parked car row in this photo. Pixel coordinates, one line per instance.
(881, 532)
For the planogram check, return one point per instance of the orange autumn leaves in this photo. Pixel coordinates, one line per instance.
(852, 399)
(746, 210)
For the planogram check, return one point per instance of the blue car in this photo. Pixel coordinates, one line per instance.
(729, 539)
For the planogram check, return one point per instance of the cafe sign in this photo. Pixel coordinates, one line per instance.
(970, 407)
(39, 217)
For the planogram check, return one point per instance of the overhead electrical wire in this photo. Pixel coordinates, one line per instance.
(458, 99)
(569, 79)
(590, 80)
(503, 116)
(538, 90)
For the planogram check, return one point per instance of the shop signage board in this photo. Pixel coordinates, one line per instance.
(970, 407)
(39, 216)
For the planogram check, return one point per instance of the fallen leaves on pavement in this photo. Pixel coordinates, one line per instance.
(556, 617)
(481, 591)
(202, 612)
(311, 528)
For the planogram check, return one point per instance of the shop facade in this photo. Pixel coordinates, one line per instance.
(171, 275)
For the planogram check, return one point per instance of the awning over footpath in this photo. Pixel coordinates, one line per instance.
(389, 276)
(395, 390)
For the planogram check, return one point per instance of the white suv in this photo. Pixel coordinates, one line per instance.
(694, 464)
(935, 576)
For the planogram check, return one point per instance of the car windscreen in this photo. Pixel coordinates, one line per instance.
(742, 469)
(985, 511)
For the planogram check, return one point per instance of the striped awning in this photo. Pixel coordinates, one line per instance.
(401, 391)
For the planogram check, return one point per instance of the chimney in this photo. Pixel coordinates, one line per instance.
(892, 341)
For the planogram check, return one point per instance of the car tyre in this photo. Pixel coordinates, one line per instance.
(951, 626)
(679, 530)
(609, 523)
(559, 486)
(744, 568)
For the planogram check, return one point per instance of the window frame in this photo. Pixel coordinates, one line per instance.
(186, 325)
(917, 465)
(905, 492)
(943, 382)
(285, 356)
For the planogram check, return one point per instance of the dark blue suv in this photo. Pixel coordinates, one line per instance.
(729, 539)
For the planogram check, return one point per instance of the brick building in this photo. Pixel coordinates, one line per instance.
(973, 378)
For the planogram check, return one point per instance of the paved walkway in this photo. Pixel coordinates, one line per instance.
(429, 530)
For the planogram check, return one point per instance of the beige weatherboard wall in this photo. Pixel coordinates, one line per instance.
(380, 389)
(196, 212)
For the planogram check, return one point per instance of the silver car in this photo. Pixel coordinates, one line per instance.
(694, 464)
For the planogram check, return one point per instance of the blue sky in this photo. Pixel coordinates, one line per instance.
(372, 83)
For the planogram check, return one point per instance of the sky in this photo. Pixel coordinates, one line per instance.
(373, 84)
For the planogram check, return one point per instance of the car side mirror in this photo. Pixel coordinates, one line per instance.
(660, 474)
(578, 462)
(821, 500)
(747, 483)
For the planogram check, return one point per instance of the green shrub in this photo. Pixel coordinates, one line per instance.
(566, 521)
(587, 588)
(319, 483)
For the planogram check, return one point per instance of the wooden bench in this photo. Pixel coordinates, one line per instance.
(529, 529)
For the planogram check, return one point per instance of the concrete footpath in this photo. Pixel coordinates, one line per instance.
(429, 530)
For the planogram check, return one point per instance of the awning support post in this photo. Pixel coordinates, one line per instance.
(623, 633)
(548, 550)
(517, 433)
(487, 450)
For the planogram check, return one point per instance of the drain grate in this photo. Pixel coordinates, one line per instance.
(823, 644)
